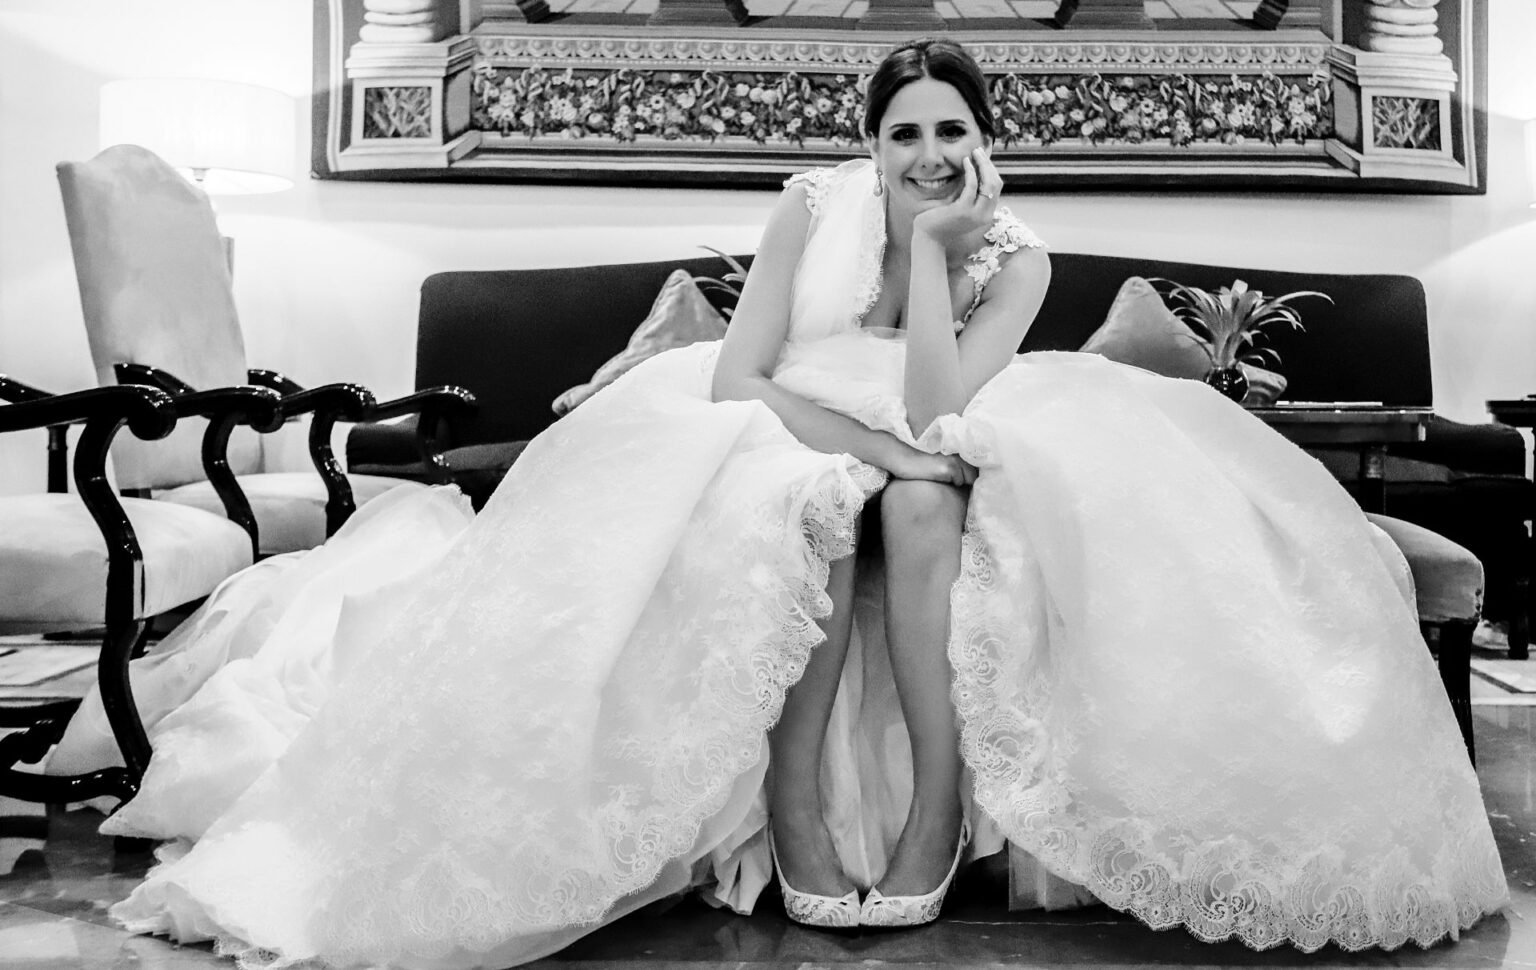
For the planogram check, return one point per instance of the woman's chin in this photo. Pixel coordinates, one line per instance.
(924, 202)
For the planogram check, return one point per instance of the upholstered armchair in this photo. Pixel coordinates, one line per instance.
(156, 291)
(92, 560)
(1467, 482)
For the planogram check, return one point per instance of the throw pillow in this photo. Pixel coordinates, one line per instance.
(1140, 330)
(681, 315)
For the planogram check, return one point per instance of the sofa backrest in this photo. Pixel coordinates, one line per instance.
(1370, 344)
(518, 338)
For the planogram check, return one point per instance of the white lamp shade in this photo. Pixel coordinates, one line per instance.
(232, 139)
(1530, 159)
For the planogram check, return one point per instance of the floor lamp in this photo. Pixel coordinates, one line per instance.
(228, 138)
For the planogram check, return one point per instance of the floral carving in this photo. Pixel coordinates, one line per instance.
(623, 104)
(1171, 109)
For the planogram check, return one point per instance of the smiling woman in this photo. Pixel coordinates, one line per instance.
(669, 615)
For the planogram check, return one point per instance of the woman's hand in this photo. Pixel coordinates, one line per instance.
(973, 209)
(917, 465)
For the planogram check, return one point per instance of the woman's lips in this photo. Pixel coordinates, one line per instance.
(936, 186)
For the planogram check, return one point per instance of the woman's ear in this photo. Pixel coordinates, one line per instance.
(986, 142)
(869, 146)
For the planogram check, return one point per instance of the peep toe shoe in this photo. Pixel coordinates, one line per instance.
(809, 909)
(893, 911)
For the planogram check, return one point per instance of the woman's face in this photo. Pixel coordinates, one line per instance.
(922, 143)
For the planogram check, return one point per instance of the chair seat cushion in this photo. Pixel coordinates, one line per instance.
(1447, 579)
(53, 559)
(289, 506)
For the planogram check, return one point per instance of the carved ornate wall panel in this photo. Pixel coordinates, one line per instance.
(1362, 95)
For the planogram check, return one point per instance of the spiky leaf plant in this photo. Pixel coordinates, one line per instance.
(1228, 322)
(730, 284)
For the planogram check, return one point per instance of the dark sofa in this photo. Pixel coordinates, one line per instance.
(518, 338)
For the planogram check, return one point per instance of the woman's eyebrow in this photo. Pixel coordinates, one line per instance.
(897, 125)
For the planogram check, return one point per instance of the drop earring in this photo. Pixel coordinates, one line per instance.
(879, 183)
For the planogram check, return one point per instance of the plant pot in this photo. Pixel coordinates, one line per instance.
(1230, 381)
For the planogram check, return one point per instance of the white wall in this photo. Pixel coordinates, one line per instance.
(327, 273)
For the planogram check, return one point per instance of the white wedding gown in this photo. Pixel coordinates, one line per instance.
(1187, 676)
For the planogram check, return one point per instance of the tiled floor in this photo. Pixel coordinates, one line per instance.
(54, 894)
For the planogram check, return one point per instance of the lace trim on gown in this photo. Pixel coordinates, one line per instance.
(1007, 235)
(1404, 867)
(482, 859)
(1217, 889)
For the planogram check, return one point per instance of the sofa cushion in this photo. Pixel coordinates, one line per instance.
(681, 315)
(1142, 331)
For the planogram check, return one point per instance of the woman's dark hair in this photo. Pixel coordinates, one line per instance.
(942, 60)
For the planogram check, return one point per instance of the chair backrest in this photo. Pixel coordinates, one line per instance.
(155, 289)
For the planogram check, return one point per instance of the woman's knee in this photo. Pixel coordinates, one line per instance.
(920, 517)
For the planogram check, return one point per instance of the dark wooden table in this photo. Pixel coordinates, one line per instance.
(1368, 428)
(1517, 413)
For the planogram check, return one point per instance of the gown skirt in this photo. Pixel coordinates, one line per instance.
(1188, 681)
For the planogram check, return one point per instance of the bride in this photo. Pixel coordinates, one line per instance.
(1107, 621)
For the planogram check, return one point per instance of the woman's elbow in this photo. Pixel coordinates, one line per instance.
(734, 386)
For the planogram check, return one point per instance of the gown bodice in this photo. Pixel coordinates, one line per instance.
(838, 279)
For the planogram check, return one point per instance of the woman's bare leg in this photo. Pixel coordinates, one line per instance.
(799, 830)
(921, 526)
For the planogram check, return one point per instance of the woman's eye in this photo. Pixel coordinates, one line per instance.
(952, 132)
(906, 134)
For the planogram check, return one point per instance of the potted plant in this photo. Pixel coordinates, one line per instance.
(1226, 324)
(729, 286)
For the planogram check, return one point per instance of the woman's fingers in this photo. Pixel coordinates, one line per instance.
(972, 183)
(989, 182)
(962, 472)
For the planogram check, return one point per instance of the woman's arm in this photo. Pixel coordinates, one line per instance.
(757, 333)
(945, 370)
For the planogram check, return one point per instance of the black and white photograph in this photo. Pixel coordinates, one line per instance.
(773, 484)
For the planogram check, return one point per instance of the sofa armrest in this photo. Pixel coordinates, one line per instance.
(1475, 449)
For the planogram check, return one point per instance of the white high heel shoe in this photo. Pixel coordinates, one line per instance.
(810, 909)
(882, 910)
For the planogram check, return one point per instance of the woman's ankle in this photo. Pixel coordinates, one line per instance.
(804, 847)
(926, 849)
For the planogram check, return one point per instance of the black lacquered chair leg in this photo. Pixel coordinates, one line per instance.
(1454, 646)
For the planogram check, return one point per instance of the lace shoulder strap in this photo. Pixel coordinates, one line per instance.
(817, 182)
(1007, 235)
